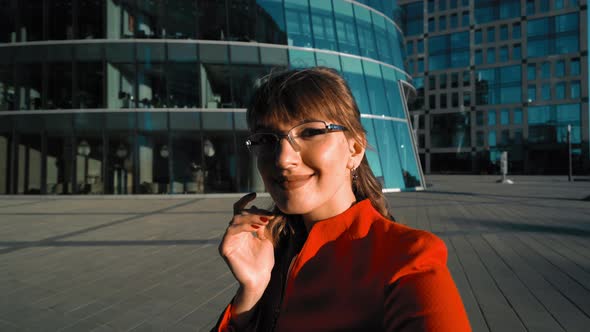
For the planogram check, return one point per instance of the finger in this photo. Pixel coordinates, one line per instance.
(249, 219)
(244, 227)
(241, 203)
(255, 210)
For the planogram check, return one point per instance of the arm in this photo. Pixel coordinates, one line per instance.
(424, 297)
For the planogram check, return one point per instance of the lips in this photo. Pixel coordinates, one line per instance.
(291, 182)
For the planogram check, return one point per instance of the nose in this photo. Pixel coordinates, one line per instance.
(285, 154)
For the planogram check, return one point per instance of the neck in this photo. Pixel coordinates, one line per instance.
(330, 209)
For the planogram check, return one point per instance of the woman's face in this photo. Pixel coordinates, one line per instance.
(314, 182)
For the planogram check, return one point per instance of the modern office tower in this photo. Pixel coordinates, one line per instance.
(149, 96)
(495, 76)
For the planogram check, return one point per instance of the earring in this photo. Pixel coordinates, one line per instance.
(353, 174)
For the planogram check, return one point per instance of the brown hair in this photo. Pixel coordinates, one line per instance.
(300, 94)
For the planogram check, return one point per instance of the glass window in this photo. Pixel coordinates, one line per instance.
(364, 25)
(431, 25)
(443, 101)
(504, 32)
(466, 78)
(59, 94)
(504, 53)
(491, 34)
(90, 82)
(413, 21)
(465, 19)
(560, 68)
(517, 116)
(478, 57)
(301, 59)
(454, 22)
(345, 27)
(491, 118)
(478, 37)
(298, 24)
(353, 73)
(479, 138)
(560, 90)
(406, 154)
(575, 89)
(491, 55)
(531, 72)
(442, 5)
(516, 32)
(504, 137)
(442, 81)
(543, 6)
(328, 60)
(375, 88)
(270, 25)
(442, 23)
(504, 117)
(546, 70)
(492, 138)
(420, 46)
(390, 162)
(453, 4)
(532, 93)
(516, 52)
(380, 29)
(431, 7)
(120, 68)
(450, 130)
(546, 92)
(454, 80)
(575, 67)
(479, 118)
(530, 7)
(213, 26)
(91, 27)
(509, 8)
(392, 92)
(31, 24)
(558, 4)
(323, 25)
(466, 98)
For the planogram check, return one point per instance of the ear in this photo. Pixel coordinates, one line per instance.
(357, 152)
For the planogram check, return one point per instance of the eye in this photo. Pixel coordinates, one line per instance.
(263, 139)
(311, 132)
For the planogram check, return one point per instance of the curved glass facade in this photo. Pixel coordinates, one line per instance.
(149, 96)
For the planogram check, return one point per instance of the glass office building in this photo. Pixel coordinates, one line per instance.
(496, 76)
(149, 96)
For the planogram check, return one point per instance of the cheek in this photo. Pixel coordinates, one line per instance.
(332, 158)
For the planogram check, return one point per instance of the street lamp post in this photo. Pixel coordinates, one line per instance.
(569, 152)
(121, 154)
(84, 150)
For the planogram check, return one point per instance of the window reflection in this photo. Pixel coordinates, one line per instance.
(298, 24)
(323, 24)
(219, 161)
(59, 14)
(89, 164)
(212, 20)
(120, 75)
(345, 28)
(29, 89)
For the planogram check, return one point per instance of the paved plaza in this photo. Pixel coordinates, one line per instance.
(520, 255)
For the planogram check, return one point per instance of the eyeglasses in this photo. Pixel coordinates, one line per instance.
(301, 137)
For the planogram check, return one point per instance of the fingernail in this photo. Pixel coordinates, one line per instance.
(264, 219)
(256, 226)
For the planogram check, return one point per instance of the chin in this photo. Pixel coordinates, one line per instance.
(292, 206)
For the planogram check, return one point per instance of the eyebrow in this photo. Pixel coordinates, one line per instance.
(270, 129)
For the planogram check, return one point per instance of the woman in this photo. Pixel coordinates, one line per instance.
(327, 257)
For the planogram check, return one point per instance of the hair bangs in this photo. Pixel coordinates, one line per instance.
(296, 98)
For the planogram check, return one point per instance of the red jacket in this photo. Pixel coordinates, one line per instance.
(360, 271)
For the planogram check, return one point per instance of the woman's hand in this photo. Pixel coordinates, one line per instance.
(249, 253)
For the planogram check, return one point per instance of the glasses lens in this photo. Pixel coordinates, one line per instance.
(262, 142)
(309, 131)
